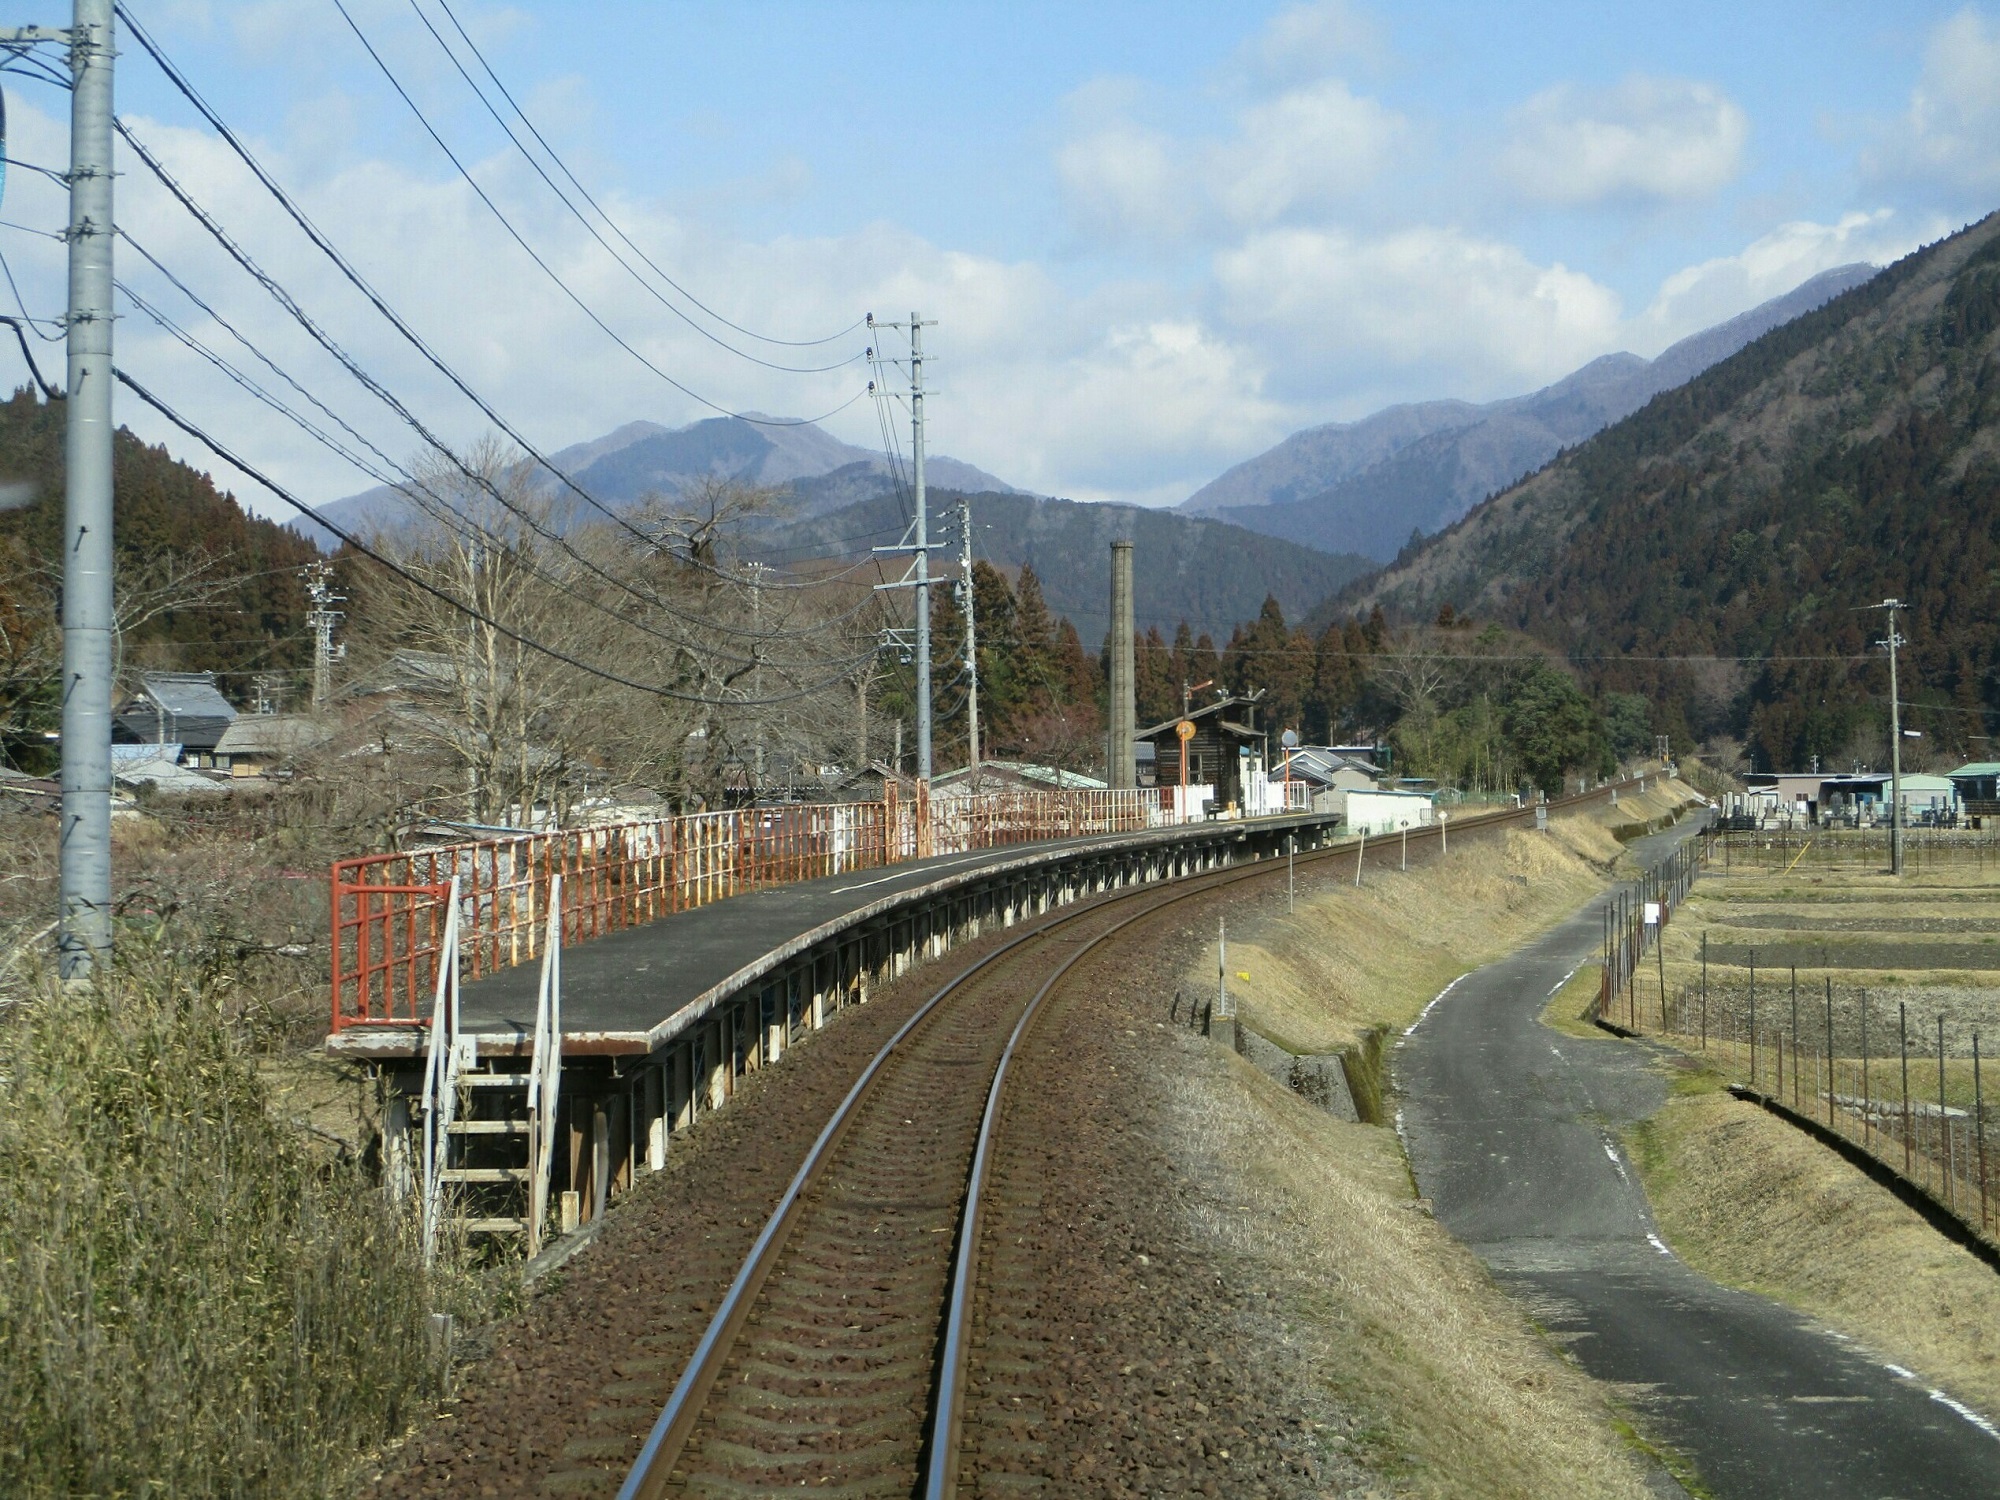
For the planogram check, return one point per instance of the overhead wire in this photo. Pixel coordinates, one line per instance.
(612, 223)
(445, 597)
(564, 197)
(381, 392)
(542, 264)
(440, 510)
(322, 243)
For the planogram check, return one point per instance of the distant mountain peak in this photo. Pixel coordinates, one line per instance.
(1364, 486)
(641, 458)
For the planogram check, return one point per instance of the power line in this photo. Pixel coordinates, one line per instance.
(382, 393)
(612, 223)
(534, 255)
(440, 510)
(577, 213)
(452, 601)
(347, 270)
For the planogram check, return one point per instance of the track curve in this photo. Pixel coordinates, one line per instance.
(837, 1357)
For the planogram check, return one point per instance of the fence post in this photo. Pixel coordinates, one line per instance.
(1704, 989)
(1867, 1087)
(1795, 1036)
(1753, 1018)
(1829, 1052)
(1903, 1036)
(1944, 1120)
(1979, 1127)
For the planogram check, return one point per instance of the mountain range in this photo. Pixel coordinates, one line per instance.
(1207, 572)
(1366, 486)
(641, 459)
(1724, 549)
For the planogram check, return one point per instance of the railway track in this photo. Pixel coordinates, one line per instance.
(838, 1357)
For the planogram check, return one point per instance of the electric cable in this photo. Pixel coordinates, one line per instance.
(389, 399)
(49, 391)
(27, 317)
(441, 510)
(536, 256)
(589, 228)
(395, 319)
(445, 597)
(542, 141)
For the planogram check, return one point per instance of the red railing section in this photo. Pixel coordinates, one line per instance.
(388, 909)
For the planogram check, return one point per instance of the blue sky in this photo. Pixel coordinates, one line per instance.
(1157, 237)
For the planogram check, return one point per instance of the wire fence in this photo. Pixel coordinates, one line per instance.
(1743, 850)
(1907, 1089)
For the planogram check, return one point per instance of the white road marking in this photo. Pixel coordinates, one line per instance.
(1899, 1372)
(1966, 1412)
(1617, 1166)
(1658, 1244)
(1564, 980)
(1434, 1000)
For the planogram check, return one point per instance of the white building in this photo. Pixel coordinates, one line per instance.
(1379, 812)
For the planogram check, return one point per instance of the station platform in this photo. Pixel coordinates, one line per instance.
(636, 991)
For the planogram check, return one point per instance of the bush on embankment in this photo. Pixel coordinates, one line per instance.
(192, 1301)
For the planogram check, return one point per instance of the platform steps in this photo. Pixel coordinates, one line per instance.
(486, 1157)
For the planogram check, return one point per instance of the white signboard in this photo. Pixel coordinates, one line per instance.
(1652, 914)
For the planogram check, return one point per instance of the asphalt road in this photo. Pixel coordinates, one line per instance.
(1512, 1131)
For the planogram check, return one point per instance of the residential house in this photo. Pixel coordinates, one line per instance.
(184, 708)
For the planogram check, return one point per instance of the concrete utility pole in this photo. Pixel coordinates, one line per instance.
(923, 549)
(971, 640)
(1895, 741)
(323, 618)
(921, 578)
(84, 918)
(1124, 728)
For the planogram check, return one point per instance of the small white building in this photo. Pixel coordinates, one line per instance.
(1379, 812)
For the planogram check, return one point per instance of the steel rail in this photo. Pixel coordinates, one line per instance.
(653, 1468)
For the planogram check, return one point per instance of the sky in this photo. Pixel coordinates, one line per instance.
(1155, 238)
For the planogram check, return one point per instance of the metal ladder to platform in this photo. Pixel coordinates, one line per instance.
(488, 1132)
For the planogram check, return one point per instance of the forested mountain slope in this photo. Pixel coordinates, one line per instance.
(1847, 456)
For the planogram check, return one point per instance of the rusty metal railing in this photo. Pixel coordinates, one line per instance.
(388, 909)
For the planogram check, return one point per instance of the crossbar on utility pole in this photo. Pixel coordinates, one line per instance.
(84, 863)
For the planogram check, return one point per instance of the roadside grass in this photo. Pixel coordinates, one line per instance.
(1355, 958)
(1455, 1394)
(195, 1299)
(1568, 1009)
(1755, 1203)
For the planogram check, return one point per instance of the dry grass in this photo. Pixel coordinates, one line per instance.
(1568, 1010)
(1397, 1319)
(196, 1297)
(1757, 1204)
(1352, 960)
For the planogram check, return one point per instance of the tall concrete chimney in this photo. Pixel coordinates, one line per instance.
(1124, 728)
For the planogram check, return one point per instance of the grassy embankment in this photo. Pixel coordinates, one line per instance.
(202, 1291)
(1459, 1396)
(1754, 1202)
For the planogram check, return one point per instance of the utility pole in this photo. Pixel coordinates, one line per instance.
(322, 619)
(1895, 740)
(84, 864)
(756, 572)
(971, 640)
(921, 575)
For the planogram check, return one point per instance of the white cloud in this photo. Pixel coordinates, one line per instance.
(1702, 295)
(1304, 149)
(1124, 181)
(1646, 138)
(1300, 152)
(1476, 313)
(1951, 130)
(1306, 42)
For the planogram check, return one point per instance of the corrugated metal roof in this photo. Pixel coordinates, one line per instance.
(1977, 768)
(187, 694)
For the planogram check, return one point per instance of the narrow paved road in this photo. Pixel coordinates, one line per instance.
(1513, 1134)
